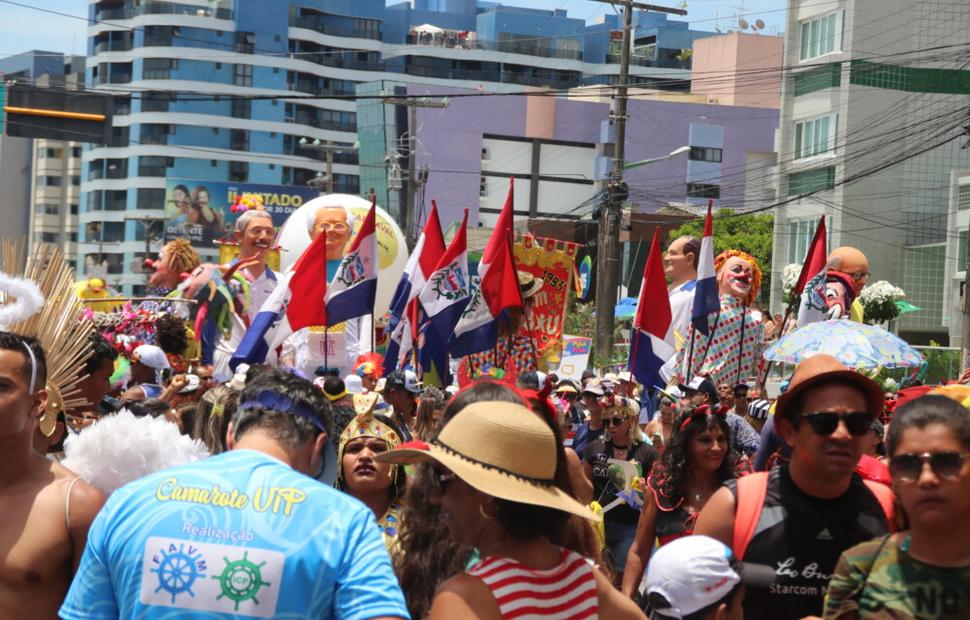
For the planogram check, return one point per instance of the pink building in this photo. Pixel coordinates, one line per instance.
(739, 69)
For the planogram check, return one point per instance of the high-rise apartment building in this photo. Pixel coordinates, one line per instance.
(41, 177)
(874, 95)
(222, 91)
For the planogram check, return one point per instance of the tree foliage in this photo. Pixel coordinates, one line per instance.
(749, 233)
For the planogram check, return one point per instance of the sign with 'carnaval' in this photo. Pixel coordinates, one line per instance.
(199, 210)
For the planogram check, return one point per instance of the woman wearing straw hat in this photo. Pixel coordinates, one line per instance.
(379, 485)
(495, 465)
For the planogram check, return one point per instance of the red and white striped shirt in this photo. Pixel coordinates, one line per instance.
(564, 592)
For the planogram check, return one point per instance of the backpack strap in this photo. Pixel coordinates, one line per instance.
(750, 500)
(886, 500)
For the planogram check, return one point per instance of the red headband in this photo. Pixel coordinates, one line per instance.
(703, 411)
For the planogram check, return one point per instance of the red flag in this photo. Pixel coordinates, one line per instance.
(500, 287)
(648, 351)
(815, 259)
(309, 286)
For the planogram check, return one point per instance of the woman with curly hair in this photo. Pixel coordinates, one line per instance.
(621, 442)
(696, 461)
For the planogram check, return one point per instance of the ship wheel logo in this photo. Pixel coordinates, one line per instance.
(241, 580)
(178, 570)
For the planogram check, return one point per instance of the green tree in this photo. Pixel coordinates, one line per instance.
(749, 233)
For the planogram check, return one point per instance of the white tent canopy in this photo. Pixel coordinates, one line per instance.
(429, 29)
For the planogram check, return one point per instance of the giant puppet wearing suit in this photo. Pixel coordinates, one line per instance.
(731, 352)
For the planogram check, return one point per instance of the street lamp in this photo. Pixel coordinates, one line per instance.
(644, 162)
(329, 148)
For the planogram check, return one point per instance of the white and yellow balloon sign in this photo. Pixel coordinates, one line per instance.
(392, 249)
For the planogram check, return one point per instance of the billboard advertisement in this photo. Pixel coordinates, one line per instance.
(198, 210)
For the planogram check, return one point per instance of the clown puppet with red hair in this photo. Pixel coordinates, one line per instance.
(731, 352)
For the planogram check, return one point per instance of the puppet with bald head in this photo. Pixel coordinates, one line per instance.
(730, 350)
(854, 264)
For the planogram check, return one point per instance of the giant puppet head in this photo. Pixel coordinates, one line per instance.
(738, 275)
(852, 262)
(839, 294)
(176, 258)
(337, 223)
(254, 228)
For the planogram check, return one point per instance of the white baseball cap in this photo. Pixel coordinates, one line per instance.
(694, 572)
(354, 383)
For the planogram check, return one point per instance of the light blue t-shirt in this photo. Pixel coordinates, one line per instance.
(239, 534)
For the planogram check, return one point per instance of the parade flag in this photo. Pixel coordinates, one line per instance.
(445, 295)
(810, 288)
(295, 303)
(498, 289)
(705, 294)
(442, 301)
(648, 349)
(427, 252)
(354, 286)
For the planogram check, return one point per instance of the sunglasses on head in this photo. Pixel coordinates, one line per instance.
(945, 465)
(825, 422)
(617, 421)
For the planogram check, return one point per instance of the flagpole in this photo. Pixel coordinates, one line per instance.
(373, 328)
(326, 349)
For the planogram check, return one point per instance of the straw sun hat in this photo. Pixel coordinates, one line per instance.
(501, 449)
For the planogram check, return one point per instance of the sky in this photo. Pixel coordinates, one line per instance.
(23, 29)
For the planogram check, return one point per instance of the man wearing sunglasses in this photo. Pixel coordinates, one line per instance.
(799, 517)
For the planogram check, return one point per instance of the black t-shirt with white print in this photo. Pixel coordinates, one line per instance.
(802, 537)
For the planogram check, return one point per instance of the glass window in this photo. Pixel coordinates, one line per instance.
(244, 75)
(703, 190)
(800, 233)
(815, 136)
(963, 197)
(820, 36)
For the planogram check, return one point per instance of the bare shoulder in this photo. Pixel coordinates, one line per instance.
(612, 603)
(84, 499)
(464, 596)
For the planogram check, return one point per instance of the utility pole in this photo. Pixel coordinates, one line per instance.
(328, 148)
(410, 211)
(608, 248)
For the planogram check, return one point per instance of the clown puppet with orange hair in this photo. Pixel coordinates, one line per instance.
(731, 352)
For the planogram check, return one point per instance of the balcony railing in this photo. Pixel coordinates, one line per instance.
(161, 8)
(451, 40)
(121, 45)
(318, 24)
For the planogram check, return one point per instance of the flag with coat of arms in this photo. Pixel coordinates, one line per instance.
(353, 288)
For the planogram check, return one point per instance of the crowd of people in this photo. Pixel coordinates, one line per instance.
(297, 489)
(496, 500)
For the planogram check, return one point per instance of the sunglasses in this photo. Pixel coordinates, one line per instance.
(945, 465)
(614, 421)
(824, 422)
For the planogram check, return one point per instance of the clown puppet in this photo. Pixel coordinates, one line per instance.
(853, 263)
(730, 352)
